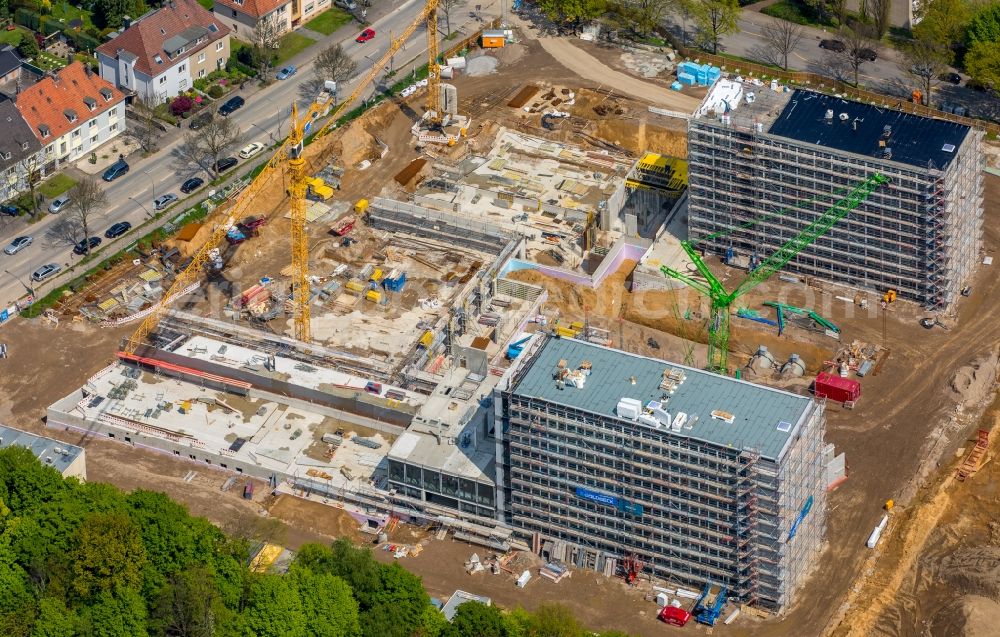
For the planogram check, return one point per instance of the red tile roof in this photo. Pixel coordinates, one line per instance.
(146, 37)
(48, 102)
(254, 8)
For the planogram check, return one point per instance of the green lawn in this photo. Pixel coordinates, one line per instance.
(290, 45)
(329, 21)
(12, 37)
(206, 3)
(48, 62)
(793, 11)
(67, 13)
(55, 186)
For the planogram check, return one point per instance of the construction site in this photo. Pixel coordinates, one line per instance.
(576, 329)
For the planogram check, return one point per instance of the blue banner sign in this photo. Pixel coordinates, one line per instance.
(600, 498)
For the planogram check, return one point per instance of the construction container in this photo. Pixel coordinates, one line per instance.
(361, 207)
(565, 332)
(374, 295)
(427, 338)
(248, 491)
(395, 283)
(835, 388)
(493, 39)
(355, 286)
(376, 275)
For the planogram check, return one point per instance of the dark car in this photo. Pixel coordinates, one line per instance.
(200, 120)
(118, 229)
(232, 105)
(951, 78)
(191, 185)
(83, 246)
(9, 210)
(832, 45)
(224, 164)
(868, 54)
(116, 170)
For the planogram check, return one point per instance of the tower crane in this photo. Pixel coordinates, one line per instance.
(721, 300)
(289, 159)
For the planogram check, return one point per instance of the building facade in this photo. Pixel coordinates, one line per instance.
(21, 153)
(698, 477)
(72, 113)
(243, 16)
(161, 54)
(69, 460)
(764, 165)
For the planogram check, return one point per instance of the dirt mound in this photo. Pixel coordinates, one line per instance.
(974, 569)
(974, 382)
(982, 616)
(639, 136)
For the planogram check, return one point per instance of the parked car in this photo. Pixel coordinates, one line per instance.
(200, 120)
(832, 45)
(250, 150)
(365, 36)
(118, 229)
(350, 5)
(59, 204)
(163, 201)
(868, 54)
(85, 244)
(17, 245)
(286, 72)
(951, 78)
(10, 210)
(116, 170)
(191, 185)
(224, 164)
(232, 105)
(44, 272)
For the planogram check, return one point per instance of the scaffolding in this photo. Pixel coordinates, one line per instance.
(921, 236)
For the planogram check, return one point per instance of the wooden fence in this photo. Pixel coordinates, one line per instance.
(827, 85)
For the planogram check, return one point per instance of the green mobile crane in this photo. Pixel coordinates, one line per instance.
(721, 300)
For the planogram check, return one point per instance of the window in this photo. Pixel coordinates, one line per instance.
(76, 133)
(234, 15)
(219, 46)
(182, 84)
(93, 140)
(201, 73)
(114, 127)
(182, 68)
(158, 59)
(163, 80)
(93, 123)
(201, 57)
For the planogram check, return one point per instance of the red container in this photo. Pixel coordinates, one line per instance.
(836, 388)
(674, 616)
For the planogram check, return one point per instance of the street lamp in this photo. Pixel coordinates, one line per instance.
(143, 206)
(152, 183)
(28, 288)
(263, 130)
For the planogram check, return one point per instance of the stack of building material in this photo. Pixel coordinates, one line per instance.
(554, 571)
(691, 73)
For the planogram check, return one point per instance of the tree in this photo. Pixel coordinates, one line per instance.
(109, 13)
(31, 169)
(144, 130)
(572, 12)
(944, 23)
(28, 47)
(649, 14)
(984, 25)
(274, 609)
(181, 105)
(780, 39)
(264, 41)
(87, 198)
(446, 7)
(715, 18)
(54, 619)
(211, 142)
(554, 620)
(333, 63)
(474, 619)
(924, 62)
(857, 49)
(328, 604)
(982, 62)
(189, 605)
(878, 11)
(115, 615)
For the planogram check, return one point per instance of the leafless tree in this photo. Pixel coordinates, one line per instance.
(31, 169)
(649, 14)
(144, 130)
(446, 7)
(924, 62)
(780, 39)
(878, 11)
(333, 63)
(264, 41)
(207, 145)
(859, 48)
(87, 200)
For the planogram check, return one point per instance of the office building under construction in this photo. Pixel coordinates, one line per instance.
(618, 462)
(783, 157)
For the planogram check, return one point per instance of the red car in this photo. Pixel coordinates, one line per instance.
(366, 35)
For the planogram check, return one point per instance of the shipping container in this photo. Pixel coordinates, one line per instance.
(493, 39)
(836, 388)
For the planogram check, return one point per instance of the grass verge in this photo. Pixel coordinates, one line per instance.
(55, 186)
(793, 11)
(329, 21)
(290, 45)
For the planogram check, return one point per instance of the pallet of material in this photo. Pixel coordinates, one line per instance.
(523, 96)
(554, 572)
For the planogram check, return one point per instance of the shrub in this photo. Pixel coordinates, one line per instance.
(50, 26)
(28, 48)
(181, 105)
(81, 40)
(215, 91)
(200, 84)
(27, 18)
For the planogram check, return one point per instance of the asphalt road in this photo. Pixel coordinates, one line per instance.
(264, 118)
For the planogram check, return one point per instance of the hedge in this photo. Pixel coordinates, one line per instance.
(82, 40)
(28, 19)
(51, 25)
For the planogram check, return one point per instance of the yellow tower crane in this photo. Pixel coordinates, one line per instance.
(289, 158)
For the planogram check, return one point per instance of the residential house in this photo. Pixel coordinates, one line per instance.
(20, 152)
(243, 16)
(72, 113)
(10, 64)
(162, 53)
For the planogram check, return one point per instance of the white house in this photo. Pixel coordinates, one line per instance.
(20, 152)
(162, 53)
(72, 113)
